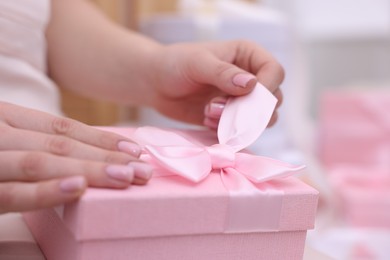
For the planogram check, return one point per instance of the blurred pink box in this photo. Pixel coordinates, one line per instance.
(363, 195)
(354, 127)
(173, 218)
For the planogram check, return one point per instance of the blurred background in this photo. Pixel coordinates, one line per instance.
(336, 114)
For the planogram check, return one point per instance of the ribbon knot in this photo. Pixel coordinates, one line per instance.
(236, 131)
(221, 156)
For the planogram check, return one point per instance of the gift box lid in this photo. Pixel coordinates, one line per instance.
(167, 208)
(175, 206)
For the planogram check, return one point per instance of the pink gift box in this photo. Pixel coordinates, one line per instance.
(173, 218)
(363, 195)
(354, 127)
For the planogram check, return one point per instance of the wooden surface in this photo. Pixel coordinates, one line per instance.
(87, 110)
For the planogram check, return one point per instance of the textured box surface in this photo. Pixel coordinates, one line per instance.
(172, 218)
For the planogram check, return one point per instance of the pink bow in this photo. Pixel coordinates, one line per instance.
(242, 122)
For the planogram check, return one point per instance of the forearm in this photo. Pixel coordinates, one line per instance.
(94, 57)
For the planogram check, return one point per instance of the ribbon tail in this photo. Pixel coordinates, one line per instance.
(261, 169)
(250, 209)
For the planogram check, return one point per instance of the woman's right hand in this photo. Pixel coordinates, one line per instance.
(47, 160)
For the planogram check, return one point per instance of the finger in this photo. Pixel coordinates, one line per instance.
(210, 70)
(142, 172)
(271, 75)
(255, 59)
(17, 196)
(273, 119)
(215, 107)
(211, 123)
(20, 139)
(37, 166)
(34, 120)
(279, 95)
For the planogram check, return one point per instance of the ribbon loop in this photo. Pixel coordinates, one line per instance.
(221, 156)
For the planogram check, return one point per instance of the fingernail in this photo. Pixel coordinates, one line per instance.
(130, 148)
(73, 184)
(215, 110)
(244, 80)
(120, 172)
(142, 170)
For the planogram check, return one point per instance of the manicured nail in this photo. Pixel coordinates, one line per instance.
(73, 184)
(130, 148)
(215, 110)
(142, 170)
(244, 80)
(120, 172)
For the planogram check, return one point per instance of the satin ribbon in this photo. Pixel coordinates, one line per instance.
(252, 207)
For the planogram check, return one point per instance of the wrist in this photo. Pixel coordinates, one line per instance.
(135, 63)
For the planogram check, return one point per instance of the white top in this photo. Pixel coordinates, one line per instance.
(23, 78)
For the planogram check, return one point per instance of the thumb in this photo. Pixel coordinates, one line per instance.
(210, 70)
